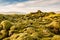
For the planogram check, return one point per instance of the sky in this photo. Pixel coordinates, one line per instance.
(29, 5)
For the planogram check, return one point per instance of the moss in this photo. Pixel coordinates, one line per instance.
(34, 26)
(1, 27)
(56, 37)
(46, 38)
(6, 24)
(3, 34)
(6, 39)
(29, 30)
(21, 36)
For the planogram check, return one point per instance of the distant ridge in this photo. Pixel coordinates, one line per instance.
(8, 13)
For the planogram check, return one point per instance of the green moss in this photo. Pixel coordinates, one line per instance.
(1, 27)
(56, 37)
(21, 36)
(34, 26)
(46, 38)
(6, 39)
(6, 24)
(3, 34)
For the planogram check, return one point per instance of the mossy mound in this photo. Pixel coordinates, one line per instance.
(34, 26)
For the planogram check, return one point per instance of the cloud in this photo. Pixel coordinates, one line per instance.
(7, 2)
(32, 5)
(42, 3)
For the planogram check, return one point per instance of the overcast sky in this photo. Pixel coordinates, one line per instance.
(29, 5)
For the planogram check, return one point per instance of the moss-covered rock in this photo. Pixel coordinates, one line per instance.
(6, 24)
(46, 38)
(21, 36)
(3, 34)
(56, 37)
(34, 26)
